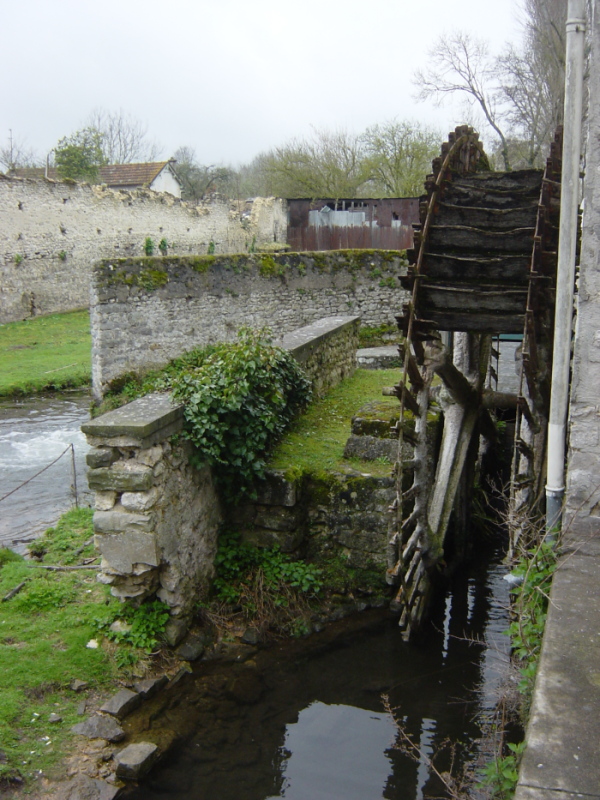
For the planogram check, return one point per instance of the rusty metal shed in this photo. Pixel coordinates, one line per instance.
(362, 223)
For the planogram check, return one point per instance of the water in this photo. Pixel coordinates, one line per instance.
(307, 722)
(34, 432)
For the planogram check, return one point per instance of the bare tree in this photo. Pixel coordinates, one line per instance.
(331, 164)
(199, 179)
(461, 63)
(15, 153)
(124, 138)
(398, 157)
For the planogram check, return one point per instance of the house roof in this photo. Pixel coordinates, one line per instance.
(123, 175)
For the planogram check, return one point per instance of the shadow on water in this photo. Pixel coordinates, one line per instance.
(306, 721)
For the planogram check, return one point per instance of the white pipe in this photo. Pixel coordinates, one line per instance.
(565, 278)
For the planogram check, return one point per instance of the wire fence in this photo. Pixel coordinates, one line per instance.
(70, 448)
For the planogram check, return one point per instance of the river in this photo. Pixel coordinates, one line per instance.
(33, 433)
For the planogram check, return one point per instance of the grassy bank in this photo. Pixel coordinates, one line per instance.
(316, 440)
(55, 629)
(45, 353)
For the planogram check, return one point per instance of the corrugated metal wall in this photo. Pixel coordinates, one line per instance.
(384, 224)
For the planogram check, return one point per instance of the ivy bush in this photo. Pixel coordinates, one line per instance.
(237, 404)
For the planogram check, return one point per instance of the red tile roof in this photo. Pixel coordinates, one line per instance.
(129, 176)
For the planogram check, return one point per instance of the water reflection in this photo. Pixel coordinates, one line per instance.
(311, 725)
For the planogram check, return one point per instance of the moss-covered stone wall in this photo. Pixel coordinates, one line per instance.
(146, 311)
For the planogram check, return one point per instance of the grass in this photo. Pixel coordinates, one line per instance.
(316, 440)
(44, 631)
(45, 353)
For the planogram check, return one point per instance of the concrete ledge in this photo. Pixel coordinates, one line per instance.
(148, 420)
(562, 758)
(302, 341)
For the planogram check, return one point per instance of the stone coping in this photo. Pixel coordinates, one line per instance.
(562, 759)
(139, 419)
(304, 338)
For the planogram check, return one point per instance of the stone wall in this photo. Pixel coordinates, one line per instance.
(52, 232)
(156, 517)
(147, 311)
(343, 514)
(583, 476)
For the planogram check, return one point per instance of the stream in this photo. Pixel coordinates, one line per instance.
(306, 721)
(33, 433)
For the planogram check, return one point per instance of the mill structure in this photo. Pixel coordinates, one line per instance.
(483, 265)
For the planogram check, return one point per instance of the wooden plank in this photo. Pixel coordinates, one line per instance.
(472, 240)
(496, 218)
(509, 269)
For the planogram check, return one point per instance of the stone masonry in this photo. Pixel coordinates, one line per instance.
(52, 232)
(156, 517)
(147, 311)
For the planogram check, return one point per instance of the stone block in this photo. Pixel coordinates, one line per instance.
(104, 501)
(150, 686)
(264, 537)
(376, 419)
(122, 703)
(370, 448)
(124, 550)
(275, 490)
(109, 479)
(139, 501)
(136, 760)
(101, 457)
(100, 727)
(151, 456)
(277, 518)
(82, 787)
(116, 521)
(192, 648)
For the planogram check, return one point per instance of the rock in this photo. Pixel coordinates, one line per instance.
(81, 708)
(3, 757)
(192, 648)
(135, 760)
(104, 501)
(264, 537)
(175, 630)
(150, 686)
(100, 727)
(122, 551)
(368, 448)
(78, 686)
(84, 788)
(53, 718)
(275, 490)
(101, 457)
(251, 636)
(139, 501)
(122, 703)
(106, 478)
(277, 518)
(119, 626)
(116, 521)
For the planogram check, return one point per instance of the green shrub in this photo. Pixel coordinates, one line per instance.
(237, 404)
(148, 246)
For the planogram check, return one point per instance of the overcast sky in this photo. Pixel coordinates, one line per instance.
(230, 78)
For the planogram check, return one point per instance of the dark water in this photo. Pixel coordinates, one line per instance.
(34, 432)
(311, 726)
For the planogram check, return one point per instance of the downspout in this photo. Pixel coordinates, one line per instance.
(565, 278)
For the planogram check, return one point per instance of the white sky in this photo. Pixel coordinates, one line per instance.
(230, 78)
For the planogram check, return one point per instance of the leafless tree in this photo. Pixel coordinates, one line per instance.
(15, 153)
(460, 63)
(124, 138)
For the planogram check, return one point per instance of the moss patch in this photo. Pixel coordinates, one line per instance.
(315, 442)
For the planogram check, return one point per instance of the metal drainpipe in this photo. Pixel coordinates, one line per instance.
(565, 279)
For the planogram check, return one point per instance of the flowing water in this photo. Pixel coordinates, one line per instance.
(310, 725)
(33, 433)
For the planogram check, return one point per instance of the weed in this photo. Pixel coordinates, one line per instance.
(163, 246)
(211, 248)
(63, 255)
(501, 774)
(388, 283)
(18, 259)
(148, 246)
(144, 625)
(7, 556)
